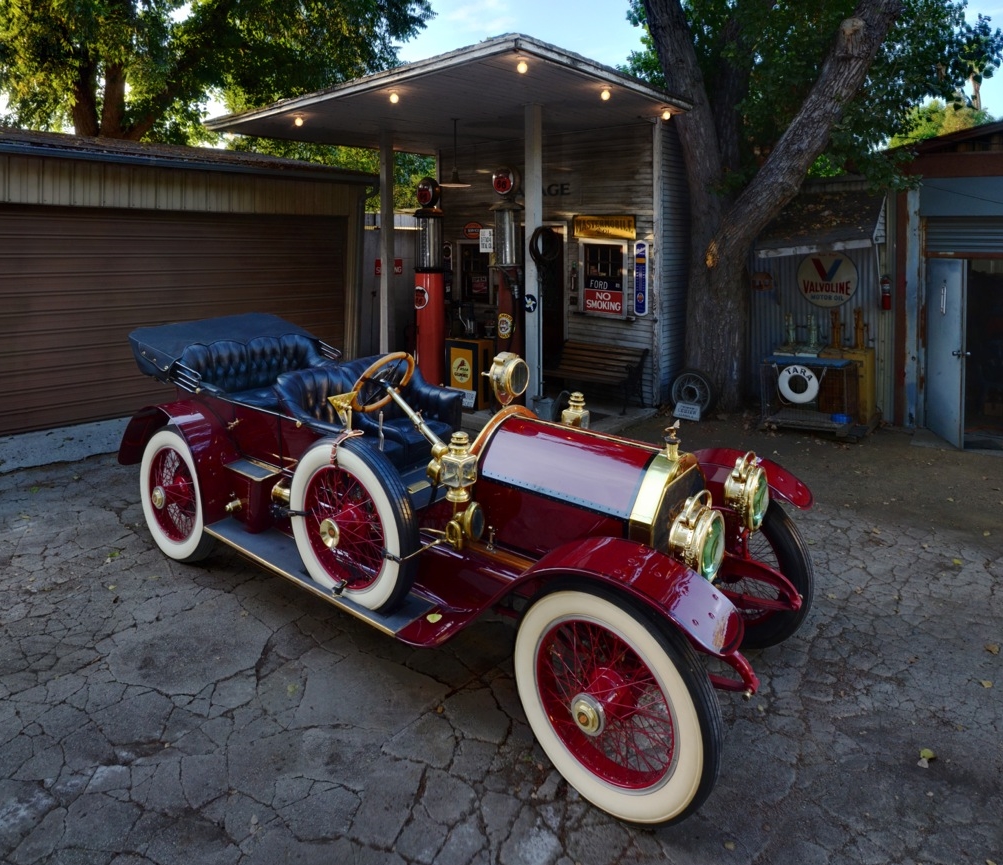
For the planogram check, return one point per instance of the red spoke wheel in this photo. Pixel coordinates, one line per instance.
(620, 704)
(172, 503)
(357, 523)
(765, 611)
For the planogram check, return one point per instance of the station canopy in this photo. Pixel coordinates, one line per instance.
(482, 88)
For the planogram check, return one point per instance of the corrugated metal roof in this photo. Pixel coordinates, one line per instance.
(169, 156)
(825, 220)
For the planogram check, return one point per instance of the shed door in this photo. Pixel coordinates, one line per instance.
(75, 281)
(945, 349)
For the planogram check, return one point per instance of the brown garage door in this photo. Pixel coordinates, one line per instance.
(75, 281)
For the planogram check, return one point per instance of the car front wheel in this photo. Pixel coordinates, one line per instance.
(619, 703)
(765, 611)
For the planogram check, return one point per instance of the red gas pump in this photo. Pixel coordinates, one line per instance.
(508, 273)
(429, 285)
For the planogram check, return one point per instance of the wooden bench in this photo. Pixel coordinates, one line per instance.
(617, 365)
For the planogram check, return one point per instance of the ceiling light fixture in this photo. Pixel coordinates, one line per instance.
(394, 98)
(604, 94)
(454, 181)
(522, 67)
(666, 114)
(297, 120)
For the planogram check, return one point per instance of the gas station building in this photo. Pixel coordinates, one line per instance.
(559, 214)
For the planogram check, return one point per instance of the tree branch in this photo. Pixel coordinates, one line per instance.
(780, 178)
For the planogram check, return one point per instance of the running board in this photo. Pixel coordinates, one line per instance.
(277, 553)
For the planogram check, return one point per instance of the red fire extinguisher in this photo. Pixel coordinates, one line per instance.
(886, 292)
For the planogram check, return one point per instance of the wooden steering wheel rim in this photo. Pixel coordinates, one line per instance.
(372, 369)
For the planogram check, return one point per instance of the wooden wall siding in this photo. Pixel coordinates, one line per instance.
(673, 261)
(65, 182)
(75, 281)
(608, 171)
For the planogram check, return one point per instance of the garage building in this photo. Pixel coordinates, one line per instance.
(98, 237)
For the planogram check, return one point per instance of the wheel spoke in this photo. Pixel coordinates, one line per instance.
(635, 743)
(176, 516)
(358, 555)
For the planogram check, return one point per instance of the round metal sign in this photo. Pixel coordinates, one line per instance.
(827, 279)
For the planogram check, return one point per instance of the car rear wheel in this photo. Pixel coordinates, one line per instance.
(619, 703)
(172, 503)
(354, 523)
(767, 617)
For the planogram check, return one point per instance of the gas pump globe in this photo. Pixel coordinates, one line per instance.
(505, 182)
(429, 284)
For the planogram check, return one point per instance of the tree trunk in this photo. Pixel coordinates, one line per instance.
(85, 112)
(723, 233)
(113, 105)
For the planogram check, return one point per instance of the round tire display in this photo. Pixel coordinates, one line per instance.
(798, 384)
(356, 524)
(620, 704)
(692, 386)
(172, 503)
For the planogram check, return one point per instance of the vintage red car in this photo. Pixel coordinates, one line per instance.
(624, 563)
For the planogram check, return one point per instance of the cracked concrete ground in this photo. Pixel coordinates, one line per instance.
(152, 712)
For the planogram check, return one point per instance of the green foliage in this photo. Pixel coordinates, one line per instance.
(145, 69)
(937, 118)
(409, 168)
(775, 51)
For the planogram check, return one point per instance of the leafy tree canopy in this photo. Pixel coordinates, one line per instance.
(937, 118)
(146, 69)
(759, 60)
(409, 168)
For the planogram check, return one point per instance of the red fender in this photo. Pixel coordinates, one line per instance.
(662, 583)
(210, 446)
(718, 463)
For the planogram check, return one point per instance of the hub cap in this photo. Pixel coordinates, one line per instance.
(588, 714)
(330, 534)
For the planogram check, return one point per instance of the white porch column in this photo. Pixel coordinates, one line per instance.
(386, 238)
(915, 288)
(533, 198)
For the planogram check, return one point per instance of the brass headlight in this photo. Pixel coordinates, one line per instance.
(697, 535)
(747, 491)
(509, 376)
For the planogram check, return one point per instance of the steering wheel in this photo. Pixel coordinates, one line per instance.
(387, 370)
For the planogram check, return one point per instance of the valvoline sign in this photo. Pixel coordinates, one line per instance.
(827, 279)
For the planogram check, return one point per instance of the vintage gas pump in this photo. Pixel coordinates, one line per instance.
(429, 284)
(506, 270)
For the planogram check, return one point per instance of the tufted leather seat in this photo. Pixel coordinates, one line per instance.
(440, 408)
(304, 396)
(247, 372)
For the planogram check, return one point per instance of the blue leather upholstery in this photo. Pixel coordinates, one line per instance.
(247, 372)
(304, 396)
